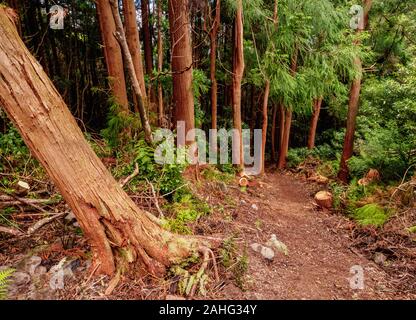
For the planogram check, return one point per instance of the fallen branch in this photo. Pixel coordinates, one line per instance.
(161, 215)
(32, 229)
(130, 177)
(11, 231)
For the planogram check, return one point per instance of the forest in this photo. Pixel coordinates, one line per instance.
(207, 149)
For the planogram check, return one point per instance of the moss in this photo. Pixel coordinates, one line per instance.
(412, 229)
(371, 214)
(188, 209)
(213, 174)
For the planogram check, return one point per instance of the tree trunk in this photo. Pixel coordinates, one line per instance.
(147, 38)
(133, 41)
(264, 127)
(314, 123)
(285, 139)
(353, 105)
(238, 70)
(213, 55)
(160, 109)
(183, 99)
(288, 118)
(139, 95)
(281, 126)
(274, 133)
(118, 231)
(112, 54)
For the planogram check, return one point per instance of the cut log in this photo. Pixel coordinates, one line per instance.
(324, 199)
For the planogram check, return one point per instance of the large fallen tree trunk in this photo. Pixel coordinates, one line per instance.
(118, 231)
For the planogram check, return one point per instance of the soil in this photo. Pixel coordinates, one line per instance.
(319, 263)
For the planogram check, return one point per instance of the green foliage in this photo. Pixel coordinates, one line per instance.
(5, 281)
(234, 262)
(120, 123)
(212, 174)
(371, 215)
(12, 149)
(187, 209)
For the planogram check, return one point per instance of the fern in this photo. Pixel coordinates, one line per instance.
(4, 282)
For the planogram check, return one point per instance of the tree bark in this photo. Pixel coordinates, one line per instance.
(133, 41)
(353, 105)
(147, 38)
(213, 57)
(314, 123)
(238, 70)
(264, 127)
(118, 231)
(274, 133)
(112, 54)
(285, 139)
(284, 146)
(183, 99)
(160, 109)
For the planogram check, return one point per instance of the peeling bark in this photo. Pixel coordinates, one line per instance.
(118, 231)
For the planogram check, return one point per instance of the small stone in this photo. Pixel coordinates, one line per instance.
(32, 263)
(243, 201)
(254, 207)
(267, 253)
(278, 245)
(380, 258)
(20, 278)
(70, 216)
(256, 247)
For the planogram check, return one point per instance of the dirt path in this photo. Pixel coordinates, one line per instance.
(320, 254)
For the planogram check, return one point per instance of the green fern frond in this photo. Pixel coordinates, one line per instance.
(4, 282)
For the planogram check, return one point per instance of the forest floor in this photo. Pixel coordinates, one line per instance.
(321, 251)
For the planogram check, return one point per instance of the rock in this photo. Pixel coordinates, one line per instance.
(254, 207)
(380, 258)
(20, 278)
(243, 201)
(278, 245)
(266, 252)
(32, 263)
(70, 216)
(256, 247)
(324, 199)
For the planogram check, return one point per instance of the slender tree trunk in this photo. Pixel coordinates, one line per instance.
(160, 109)
(183, 99)
(141, 102)
(264, 127)
(353, 105)
(288, 119)
(213, 57)
(147, 38)
(285, 139)
(281, 126)
(274, 133)
(314, 123)
(133, 41)
(238, 70)
(112, 54)
(118, 231)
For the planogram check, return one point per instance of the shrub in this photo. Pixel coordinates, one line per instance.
(371, 215)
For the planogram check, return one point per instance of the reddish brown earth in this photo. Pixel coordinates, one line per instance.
(320, 251)
(318, 265)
